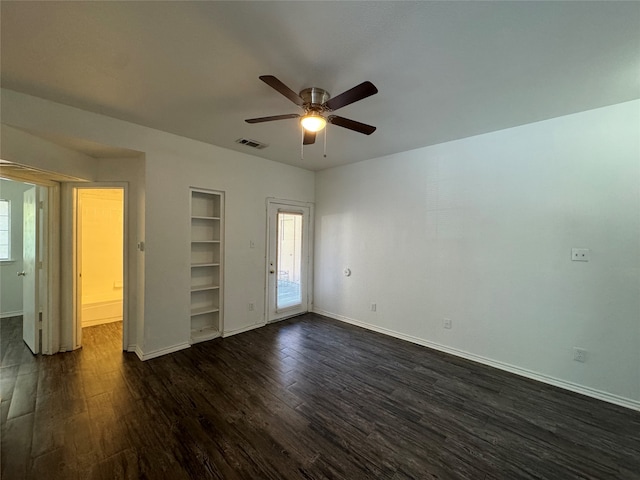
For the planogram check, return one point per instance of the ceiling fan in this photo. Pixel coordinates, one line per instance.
(316, 103)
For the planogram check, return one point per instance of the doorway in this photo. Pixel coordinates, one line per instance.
(289, 264)
(29, 264)
(100, 257)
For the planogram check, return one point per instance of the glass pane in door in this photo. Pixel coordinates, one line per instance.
(289, 256)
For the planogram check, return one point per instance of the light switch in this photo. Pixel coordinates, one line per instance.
(580, 254)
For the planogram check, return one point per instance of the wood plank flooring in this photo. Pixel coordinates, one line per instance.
(306, 398)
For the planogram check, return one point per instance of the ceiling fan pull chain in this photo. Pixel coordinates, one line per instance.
(325, 142)
(302, 144)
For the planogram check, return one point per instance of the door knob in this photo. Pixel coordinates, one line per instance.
(22, 274)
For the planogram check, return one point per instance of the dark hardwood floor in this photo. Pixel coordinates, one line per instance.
(306, 398)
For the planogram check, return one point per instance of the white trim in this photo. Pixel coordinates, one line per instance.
(306, 208)
(101, 321)
(9, 258)
(162, 351)
(523, 372)
(98, 313)
(11, 314)
(293, 315)
(230, 333)
(138, 352)
(51, 323)
(75, 298)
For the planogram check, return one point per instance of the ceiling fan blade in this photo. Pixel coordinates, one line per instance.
(272, 118)
(277, 85)
(309, 138)
(351, 124)
(364, 90)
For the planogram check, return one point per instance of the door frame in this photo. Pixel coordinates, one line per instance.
(75, 303)
(49, 252)
(32, 212)
(271, 230)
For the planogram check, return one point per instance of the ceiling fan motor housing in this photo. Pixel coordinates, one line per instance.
(314, 98)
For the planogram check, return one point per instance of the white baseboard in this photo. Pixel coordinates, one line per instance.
(97, 313)
(523, 372)
(162, 351)
(229, 333)
(11, 314)
(100, 321)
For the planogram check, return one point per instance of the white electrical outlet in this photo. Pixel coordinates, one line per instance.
(580, 254)
(374, 307)
(252, 307)
(446, 323)
(579, 354)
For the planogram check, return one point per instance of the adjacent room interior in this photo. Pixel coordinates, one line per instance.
(439, 280)
(101, 257)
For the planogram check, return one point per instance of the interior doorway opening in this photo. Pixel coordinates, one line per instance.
(30, 266)
(100, 257)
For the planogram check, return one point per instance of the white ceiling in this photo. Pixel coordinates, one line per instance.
(444, 70)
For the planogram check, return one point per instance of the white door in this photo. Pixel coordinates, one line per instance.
(29, 274)
(288, 259)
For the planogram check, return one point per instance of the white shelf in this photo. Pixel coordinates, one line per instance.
(204, 334)
(204, 288)
(207, 240)
(203, 310)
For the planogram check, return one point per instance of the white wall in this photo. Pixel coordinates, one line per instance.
(131, 171)
(22, 147)
(480, 231)
(10, 283)
(173, 164)
(247, 182)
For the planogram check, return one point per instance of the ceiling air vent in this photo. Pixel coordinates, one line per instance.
(251, 143)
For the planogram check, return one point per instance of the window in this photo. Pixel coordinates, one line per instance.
(5, 230)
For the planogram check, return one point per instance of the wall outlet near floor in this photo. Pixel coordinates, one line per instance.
(446, 323)
(580, 254)
(579, 354)
(374, 307)
(252, 307)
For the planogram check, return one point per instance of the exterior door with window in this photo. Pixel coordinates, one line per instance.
(288, 259)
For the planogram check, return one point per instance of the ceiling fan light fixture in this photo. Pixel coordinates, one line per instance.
(313, 122)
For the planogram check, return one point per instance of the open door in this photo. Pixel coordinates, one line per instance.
(99, 257)
(29, 274)
(288, 263)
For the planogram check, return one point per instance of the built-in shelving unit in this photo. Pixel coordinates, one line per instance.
(207, 237)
